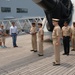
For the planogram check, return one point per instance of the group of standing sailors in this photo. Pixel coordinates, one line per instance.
(33, 32)
(67, 33)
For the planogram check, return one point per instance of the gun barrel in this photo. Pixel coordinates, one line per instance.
(46, 4)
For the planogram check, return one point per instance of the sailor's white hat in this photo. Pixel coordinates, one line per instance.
(39, 22)
(33, 22)
(54, 19)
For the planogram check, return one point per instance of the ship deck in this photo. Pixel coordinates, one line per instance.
(21, 61)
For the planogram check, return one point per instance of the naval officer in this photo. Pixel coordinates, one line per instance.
(73, 36)
(66, 33)
(56, 41)
(33, 32)
(41, 38)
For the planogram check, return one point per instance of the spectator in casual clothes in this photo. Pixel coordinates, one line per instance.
(3, 36)
(0, 37)
(13, 33)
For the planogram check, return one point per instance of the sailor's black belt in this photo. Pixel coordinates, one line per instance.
(13, 33)
(66, 36)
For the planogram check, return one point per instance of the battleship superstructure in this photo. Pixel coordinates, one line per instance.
(19, 9)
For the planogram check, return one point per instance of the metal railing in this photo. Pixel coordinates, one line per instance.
(23, 24)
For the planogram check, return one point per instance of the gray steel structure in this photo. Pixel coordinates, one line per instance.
(33, 9)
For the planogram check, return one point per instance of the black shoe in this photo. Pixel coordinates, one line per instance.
(73, 50)
(31, 50)
(15, 46)
(35, 51)
(67, 54)
(40, 55)
(54, 64)
(64, 53)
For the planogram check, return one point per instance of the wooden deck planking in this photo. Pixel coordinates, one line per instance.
(38, 65)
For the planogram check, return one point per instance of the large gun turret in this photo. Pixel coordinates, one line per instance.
(60, 9)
